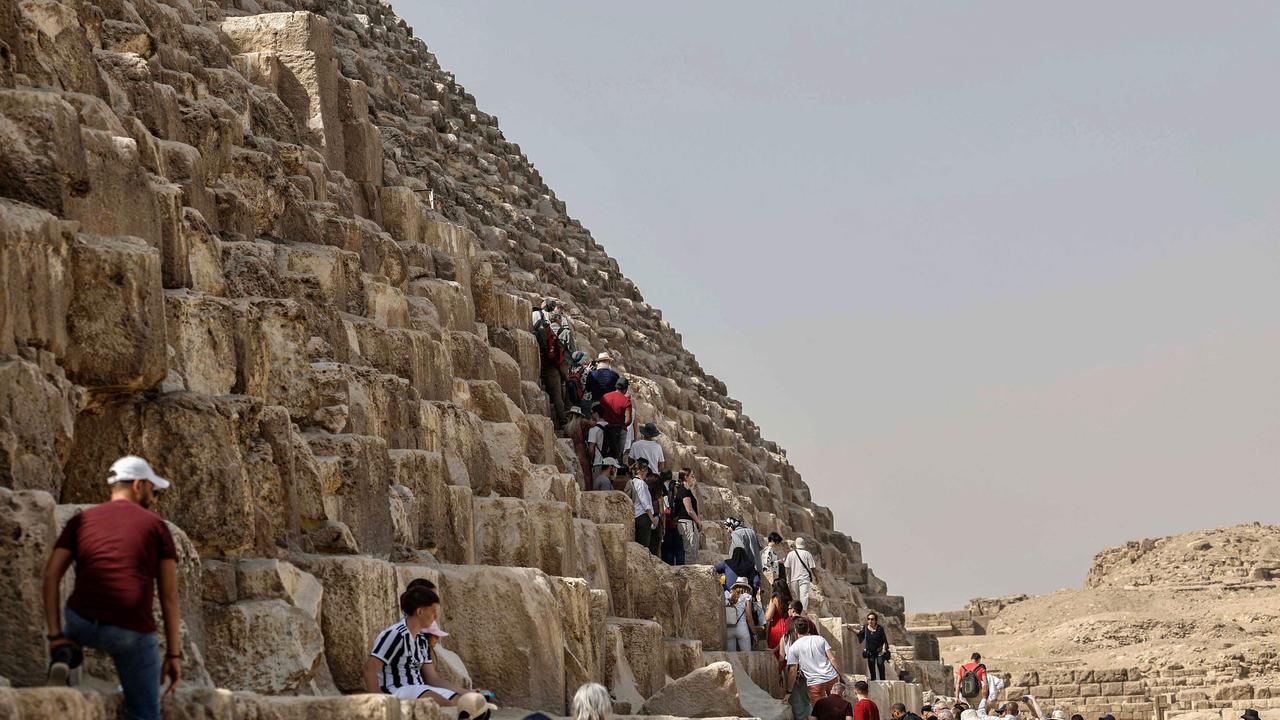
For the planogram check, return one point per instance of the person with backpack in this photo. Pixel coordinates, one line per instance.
(575, 387)
(799, 566)
(740, 617)
(595, 439)
(672, 545)
(971, 680)
(547, 325)
(617, 411)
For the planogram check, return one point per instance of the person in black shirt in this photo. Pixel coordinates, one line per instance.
(875, 646)
(688, 522)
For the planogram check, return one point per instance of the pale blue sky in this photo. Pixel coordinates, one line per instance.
(1029, 250)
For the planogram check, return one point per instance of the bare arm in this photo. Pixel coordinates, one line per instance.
(372, 668)
(172, 668)
(433, 678)
(1035, 706)
(57, 566)
(791, 676)
(831, 655)
(693, 514)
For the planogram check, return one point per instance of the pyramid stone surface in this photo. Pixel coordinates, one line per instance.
(276, 249)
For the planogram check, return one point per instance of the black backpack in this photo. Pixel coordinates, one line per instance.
(970, 685)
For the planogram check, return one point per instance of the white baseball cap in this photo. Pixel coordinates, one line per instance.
(132, 467)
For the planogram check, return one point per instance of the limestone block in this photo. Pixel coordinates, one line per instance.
(27, 529)
(455, 241)
(486, 399)
(309, 84)
(701, 612)
(201, 332)
(401, 213)
(37, 424)
(62, 703)
(884, 693)
(521, 533)
(422, 474)
(755, 677)
(521, 601)
(361, 597)
(115, 323)
(374, 403)
(705, 692)
(266, 646)
(641, 643)
(385, 303)
(615, 539)
(683, 656)
(606, 507)
(213, 496)
(591, 559)
(521, 345)
(458, 542)
(470, 354)
(583, 640)
(271, 358)
(360, 500)
(262, 579)
(507, 373)
(42, 160)
(336, 271)
(34, 288)
(451, 300)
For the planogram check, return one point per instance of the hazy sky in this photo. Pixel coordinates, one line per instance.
(1003, 277)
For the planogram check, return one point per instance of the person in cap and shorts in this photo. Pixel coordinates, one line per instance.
(121, 551)
(401, 662)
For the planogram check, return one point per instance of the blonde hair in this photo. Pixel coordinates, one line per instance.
(591, 702)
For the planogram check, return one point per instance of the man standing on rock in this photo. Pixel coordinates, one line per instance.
(602, 379)
(646, 521)
(800, 572)
(811, 655)
(548, 322)
(688, 522)
(401, 662)
(616, 410)
(121, 550)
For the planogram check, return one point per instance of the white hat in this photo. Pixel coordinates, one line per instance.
(474, 705)
(604, 357)
(800, 543)
(435, 629)
(610, 462)
(1059, 714)
(132, 467)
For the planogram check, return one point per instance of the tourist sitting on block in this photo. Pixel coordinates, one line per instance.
(401, 662)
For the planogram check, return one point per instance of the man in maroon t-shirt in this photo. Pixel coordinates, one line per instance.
(833, 706)
(615, 409)
(120, 549)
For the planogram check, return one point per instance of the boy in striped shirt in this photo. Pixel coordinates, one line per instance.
(401, 663)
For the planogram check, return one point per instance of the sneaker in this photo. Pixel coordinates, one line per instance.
(62, 661)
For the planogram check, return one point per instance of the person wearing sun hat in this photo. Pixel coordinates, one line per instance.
(121, 551)
(739, 619)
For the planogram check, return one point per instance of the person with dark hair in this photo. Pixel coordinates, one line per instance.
(672, 544)
(401, 662)
(864, 709)
(646, 521)
(875, 646)
(595, 439)
(617, 411)
(971, 680)
(122, 551)
(770, 559)
(900, 712)
(812, 655)
(775, 616)
(833, 706)
(688, 522)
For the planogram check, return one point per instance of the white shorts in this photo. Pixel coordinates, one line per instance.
(413, 692)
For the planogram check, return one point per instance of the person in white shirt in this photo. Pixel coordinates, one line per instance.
(812, 655)
(595, 440)
(649, 449)
(801, 573)
(646, 519)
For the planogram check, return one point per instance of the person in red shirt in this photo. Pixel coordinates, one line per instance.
(121, 550)
(864, 709)
(616, 410)
(979, 671)
(833, 706)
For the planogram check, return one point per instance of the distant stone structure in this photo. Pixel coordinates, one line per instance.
(274, 248)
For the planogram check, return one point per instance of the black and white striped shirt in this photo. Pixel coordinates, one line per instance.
(402, 657)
